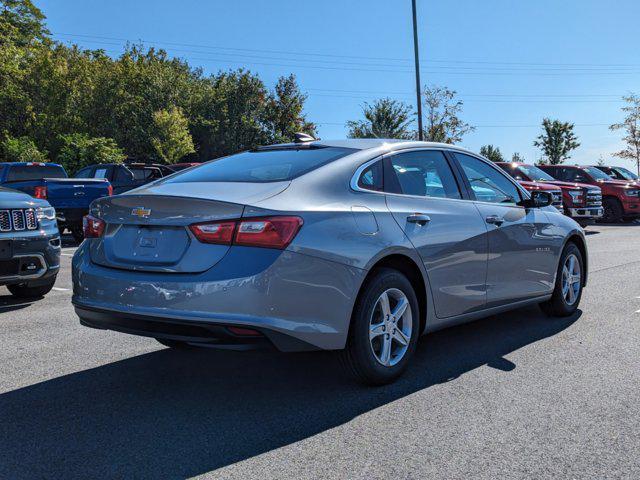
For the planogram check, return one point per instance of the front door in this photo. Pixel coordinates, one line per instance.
(521, 263)
(446, 230)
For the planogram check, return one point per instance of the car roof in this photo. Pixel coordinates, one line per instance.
(372, 143)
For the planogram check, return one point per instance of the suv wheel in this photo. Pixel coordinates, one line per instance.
(27, 290)
(384, 329)
(612, 210)
(569, 280)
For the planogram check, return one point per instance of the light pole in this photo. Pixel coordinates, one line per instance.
(417, 57)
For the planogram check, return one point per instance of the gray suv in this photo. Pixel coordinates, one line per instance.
(354, 245)
(29, 244)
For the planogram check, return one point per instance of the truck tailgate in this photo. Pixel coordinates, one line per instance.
(75, 192)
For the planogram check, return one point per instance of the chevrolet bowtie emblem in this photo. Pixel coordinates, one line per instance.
(141, 212)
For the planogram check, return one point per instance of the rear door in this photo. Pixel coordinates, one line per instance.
(445, 228)
(521, 261)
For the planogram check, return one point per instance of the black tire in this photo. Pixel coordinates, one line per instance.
(27, 290)
(78, 234)
(612, 210)
(359, 355)
(175, 344)
(557, 305)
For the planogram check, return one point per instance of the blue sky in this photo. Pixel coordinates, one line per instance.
(512, 62)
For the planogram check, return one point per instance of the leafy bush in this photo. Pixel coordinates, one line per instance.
(21, 149)
(79, 150)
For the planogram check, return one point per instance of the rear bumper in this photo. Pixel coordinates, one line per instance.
(586, 212)
(202, 334)
(297, 301)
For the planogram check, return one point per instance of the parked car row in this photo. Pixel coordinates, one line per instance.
(359, 246)
(589, 193)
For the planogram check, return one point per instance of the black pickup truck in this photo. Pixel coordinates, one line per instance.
(126, 176)
(70, 197)
(29, 244)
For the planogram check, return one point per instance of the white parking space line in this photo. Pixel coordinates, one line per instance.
(60, 289)
(67, 254)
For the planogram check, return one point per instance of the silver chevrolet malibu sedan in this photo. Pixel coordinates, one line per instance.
(359, 246)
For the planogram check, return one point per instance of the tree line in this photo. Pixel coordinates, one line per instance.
(75, 106)
(389, 118)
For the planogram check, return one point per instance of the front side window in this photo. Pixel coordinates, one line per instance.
(487, 183)
(423, 173)
(578, 176)
(264, 165)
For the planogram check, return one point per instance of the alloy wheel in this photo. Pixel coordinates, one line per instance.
(571, 279)
(390, 327)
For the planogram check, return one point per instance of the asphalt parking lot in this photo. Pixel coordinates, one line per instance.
(513, 396)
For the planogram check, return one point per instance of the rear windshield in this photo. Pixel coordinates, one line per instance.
(260, 166)
(35, 172)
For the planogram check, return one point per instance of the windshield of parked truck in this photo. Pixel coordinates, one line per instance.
(597, 174)
(625, 174)
(535, 174)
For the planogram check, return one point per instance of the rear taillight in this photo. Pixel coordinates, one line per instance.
(216, 232)
(267, 232)
(110, 190)
(92, 227)
(40, 192)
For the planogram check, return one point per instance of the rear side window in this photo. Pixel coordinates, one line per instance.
(85, 173)
(371, 177)
(35, 172)
(423, 173)
(261, 166)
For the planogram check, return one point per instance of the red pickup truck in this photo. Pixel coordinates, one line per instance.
(620, 198)
(581, 202)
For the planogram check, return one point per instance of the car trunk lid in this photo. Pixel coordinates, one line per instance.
(147, 230)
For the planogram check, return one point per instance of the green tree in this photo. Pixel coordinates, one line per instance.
(386, 118)
(556, 141)
(21, 23)
(21, 149)
(442, 116)
(517, 158)
(492, 153)
(172, 139)
(79, 150)
(631, 127)
(283, 111)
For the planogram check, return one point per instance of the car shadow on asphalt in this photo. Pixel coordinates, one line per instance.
(8, 303)
(176, 414)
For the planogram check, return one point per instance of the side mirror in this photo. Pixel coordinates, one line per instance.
(539, 199)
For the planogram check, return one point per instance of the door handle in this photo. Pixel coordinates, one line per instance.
(419, 218)
(495, 220)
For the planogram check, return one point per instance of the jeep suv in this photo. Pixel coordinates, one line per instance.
(29, 244)
(580, 201)
(620, 198)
